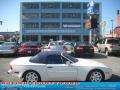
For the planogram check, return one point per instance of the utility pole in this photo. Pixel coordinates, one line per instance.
(1, 22)
(112, 27)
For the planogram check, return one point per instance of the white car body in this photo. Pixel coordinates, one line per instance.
(61, 72)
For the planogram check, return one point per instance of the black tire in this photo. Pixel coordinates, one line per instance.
(92, 55)
(107, 52)
(36, 76)
(92, 76)
(99, 50)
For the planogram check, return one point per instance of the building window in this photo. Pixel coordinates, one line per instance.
(30, 15)
(31, 25)
(71, 25)
(85, 16)
(50, 25)
(50, 15)
(97, 6)
(85, 5)
(29, 38)
(71, 5)
(50, 5)
(74, 38)
(30, 5)
(71, 15)
(86, 38)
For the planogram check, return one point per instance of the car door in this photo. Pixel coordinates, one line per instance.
(59, 71)
(102, 46)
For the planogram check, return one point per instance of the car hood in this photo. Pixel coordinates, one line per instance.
(21, 61)
(88, 62)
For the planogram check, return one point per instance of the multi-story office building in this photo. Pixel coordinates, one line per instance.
(42, 21)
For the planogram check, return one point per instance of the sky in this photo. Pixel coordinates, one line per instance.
(10, 13)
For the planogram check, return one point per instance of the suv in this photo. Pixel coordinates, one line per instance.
(109, 45)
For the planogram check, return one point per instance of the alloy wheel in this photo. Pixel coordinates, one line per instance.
(31, 77)
(96, 76)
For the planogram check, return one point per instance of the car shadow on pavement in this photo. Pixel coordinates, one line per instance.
(9, 56)
(96, 56)
(114, 78)
(99, 56)
(1, 81)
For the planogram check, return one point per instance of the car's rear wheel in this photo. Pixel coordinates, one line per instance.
(95, 76)
(106, 52)
(31, 76)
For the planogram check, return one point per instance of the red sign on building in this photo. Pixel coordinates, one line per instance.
(117, 32)
(118, 20)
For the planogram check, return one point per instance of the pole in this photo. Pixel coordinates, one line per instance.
(90, 34)
(1, 22)
(112, 27)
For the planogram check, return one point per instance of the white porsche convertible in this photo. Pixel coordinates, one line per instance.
(58, 66)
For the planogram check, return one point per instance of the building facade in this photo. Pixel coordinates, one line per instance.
(118, 18)
(42, 21)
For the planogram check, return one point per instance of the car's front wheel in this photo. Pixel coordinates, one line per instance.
(95, 76)
(31, 76)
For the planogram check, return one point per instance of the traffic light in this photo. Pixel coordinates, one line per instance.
(88, 24)
(94, 21)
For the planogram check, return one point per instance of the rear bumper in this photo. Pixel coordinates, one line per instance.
(7, 51)
(29, 52)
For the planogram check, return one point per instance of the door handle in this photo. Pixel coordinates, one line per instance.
(49, 67)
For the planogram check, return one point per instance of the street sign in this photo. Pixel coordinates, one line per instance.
(94, 23)
(90, 7)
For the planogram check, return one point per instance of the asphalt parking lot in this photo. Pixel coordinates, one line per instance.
(112, 61)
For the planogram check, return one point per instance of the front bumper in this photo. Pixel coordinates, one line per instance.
(14, 73)
(108, 74)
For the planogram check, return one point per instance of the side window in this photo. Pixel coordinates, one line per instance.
(100, 41)
(103, 42)
(54, 59)
(64, 60)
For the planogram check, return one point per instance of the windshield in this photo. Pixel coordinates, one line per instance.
(70, 58)
(39, 58)
(9, 43)
(114, 41)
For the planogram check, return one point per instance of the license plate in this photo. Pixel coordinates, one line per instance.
(29, 51)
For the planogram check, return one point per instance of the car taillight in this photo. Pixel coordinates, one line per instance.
(80, 48)
(111, 46)
(91, 48)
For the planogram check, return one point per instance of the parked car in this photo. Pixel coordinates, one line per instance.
(58, 66)
(1, 42)
(109, 46)
(84, 49)
(60, 46)
(69, 48)
(29, 48)
(8, 48)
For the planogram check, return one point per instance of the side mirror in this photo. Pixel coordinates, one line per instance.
(68, 63)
